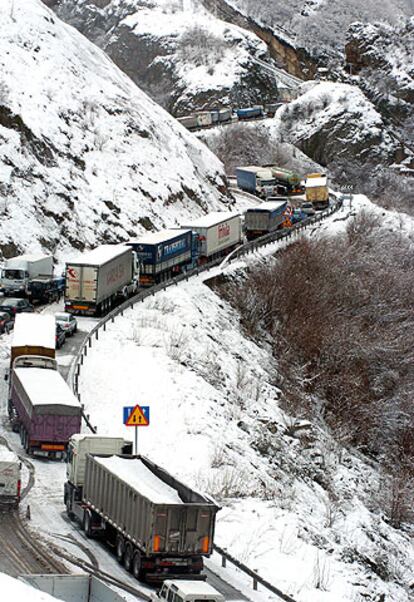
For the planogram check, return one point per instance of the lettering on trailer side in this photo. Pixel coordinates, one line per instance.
(115, 274)
(223, 231)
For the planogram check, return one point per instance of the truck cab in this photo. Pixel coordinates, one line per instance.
(187, 591)
(10, 478)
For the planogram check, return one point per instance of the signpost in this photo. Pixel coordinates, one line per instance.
(136, 416)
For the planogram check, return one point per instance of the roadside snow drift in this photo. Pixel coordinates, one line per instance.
(85, 156)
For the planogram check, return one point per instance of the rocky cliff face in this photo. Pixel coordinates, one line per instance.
(85, 156)
(183, 56)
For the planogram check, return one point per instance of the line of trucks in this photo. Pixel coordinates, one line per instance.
(98, 280)
(213, 117)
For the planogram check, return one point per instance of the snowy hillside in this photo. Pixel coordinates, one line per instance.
(179, 53)
(85, 156)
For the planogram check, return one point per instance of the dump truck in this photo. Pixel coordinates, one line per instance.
(257, 180)
(264, 218)
(10, 478)
(317, 191)
(159, 527)
(95, 280)
(218, 233)
(163, 254)
(17, 272)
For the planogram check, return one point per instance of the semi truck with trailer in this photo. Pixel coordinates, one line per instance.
(95, 280)
(164, 254)
(10, 478)
(264, 218)
(317, 191)
(218, 233)
(34, 334)
(257, 180)
(17, 272)
(255, 112)
(43, 406)
(287, 179)
(159, 527)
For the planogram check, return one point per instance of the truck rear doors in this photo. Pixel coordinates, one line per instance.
(81, 283)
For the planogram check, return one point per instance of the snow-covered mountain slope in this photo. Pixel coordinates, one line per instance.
(321, 25)
(295, 506)
(85, 156)
(179, 53)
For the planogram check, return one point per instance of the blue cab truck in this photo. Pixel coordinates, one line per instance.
(164, 254)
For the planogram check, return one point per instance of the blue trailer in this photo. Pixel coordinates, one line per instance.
(164, 254)
(256, 180)
(250, 112)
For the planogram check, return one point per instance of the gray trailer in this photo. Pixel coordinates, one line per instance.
(159, 527)
(264, 218)
(96, 279)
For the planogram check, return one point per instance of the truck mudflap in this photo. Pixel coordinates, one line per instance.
(160, 577)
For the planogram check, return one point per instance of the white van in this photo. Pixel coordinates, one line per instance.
(187, 591)
(10, 478)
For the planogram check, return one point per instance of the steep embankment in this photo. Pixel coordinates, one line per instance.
(85, 155)
(182, 55)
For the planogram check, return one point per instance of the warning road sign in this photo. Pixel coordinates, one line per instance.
(139, 416)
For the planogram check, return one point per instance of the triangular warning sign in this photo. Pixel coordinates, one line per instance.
(137, 418)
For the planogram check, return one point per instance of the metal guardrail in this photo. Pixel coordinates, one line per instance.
(249, 247)
(226, 557)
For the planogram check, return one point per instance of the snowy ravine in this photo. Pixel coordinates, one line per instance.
(85, 156)
(217, 424)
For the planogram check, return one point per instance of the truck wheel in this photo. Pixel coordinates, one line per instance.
(87, 524)
(128, 555)
(137, 566)
(120, 548)
(69, 512)
(22, 435)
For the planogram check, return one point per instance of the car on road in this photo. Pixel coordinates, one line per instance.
(60, 336)
(6, 322)
(14, 305)
(186, 591)
(308, 208)
(67, 322)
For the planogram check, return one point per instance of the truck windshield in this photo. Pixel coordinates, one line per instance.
(14, 274)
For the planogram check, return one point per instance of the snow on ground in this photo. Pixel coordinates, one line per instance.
(12, 589)
(89, 157)
(216, 423)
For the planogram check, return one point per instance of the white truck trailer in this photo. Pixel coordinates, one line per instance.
(10, 478)
(17, 272)
(96, 279)
(219, 233)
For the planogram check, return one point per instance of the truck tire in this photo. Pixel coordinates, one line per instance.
(22, 435)
(87, 524)
(128, 556)
(137, 566)
(69, 512)
(120, 548)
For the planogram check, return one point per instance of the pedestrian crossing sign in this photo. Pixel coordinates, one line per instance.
(139, 416)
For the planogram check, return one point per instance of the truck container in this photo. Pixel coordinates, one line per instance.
(18, 271)
(257, 180)
(265, 218)
(10, 478)
(221, 115)
(162, 255)
(271, 108)
(204, 119)
(286, 178)
(218, 233)
(317, 191)
(189, 121)
(159, 527)
(34, 334)
(96, 279)
(72, 588)
(250, 112)
(44, 407)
